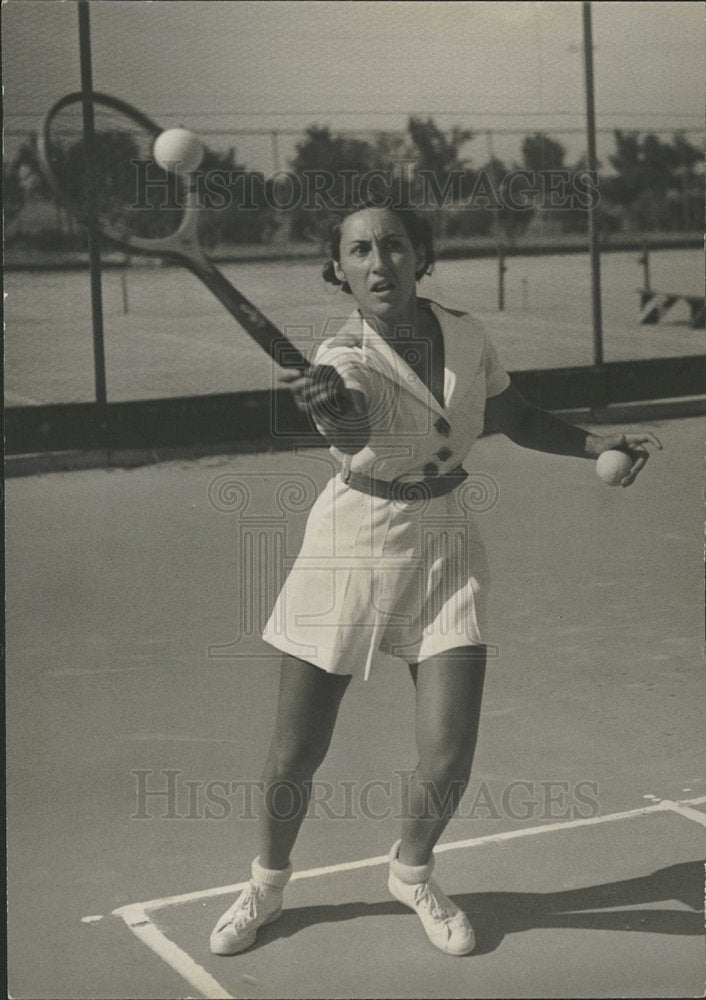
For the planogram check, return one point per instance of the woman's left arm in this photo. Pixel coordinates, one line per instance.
(531, 427)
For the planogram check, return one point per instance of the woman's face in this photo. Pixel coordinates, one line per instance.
(379, 263)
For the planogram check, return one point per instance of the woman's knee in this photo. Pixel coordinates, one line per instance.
(295, 759)
(444, 762)
(308, 707)
(449, 694)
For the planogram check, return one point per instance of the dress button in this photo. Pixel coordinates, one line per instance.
(430, 470)
(443, 454)
(443, 427)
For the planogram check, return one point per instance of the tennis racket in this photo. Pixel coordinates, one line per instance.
(137, 205)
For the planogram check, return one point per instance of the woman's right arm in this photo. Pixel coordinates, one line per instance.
(340, 413)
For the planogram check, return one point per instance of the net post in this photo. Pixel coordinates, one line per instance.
(94, 257)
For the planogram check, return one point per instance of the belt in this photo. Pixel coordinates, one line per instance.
(399, 489)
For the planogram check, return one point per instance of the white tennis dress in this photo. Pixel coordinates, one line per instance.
(407, 579)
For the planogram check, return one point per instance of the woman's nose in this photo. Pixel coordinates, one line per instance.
(378, 258)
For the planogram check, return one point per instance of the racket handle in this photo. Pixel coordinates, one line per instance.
(263, 332)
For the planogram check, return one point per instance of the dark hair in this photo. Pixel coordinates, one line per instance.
(416, 226)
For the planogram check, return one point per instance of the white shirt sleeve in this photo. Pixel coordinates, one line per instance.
(349, 364)
(496, 378)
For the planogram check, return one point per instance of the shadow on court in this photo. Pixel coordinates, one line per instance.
(568, 913)
(494, 915)
(122, 582)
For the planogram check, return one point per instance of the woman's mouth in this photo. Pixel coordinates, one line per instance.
(382, 286)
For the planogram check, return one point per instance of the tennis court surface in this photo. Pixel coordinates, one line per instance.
(140, 698)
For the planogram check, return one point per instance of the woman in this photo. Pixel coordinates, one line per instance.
(401, 393)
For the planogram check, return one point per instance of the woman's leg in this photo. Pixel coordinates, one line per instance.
(449, 692)
(309, 699)
(306, 714)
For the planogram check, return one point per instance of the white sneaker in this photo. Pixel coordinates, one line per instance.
(445, 925)
(258, 904)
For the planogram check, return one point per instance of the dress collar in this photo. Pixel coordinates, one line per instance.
(378, 353)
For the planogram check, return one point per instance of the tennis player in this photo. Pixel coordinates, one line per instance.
(401, 393)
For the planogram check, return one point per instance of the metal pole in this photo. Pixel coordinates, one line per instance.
(495, 208)
(684, 185)
(123, 287)
(501, 278)
(592, 227)
(645, 261)
(275, 150)
(94, 259)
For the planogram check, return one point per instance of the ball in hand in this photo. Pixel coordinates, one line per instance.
(178, 149)
(613, 466)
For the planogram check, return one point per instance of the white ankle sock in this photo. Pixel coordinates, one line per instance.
(272, 878)
(410, 874)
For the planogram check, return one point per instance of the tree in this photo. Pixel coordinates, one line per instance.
(236, 208)
(113, 185)
(439, 169)
(434, 151)
(23, 180)
(509, 220)
(26, 166)
(539, 152)
(13, 193)
(655, 184)
(330, 171)
(326, 171)
(688, 203)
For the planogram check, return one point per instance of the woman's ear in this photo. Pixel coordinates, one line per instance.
(420, 259)
(338, 271)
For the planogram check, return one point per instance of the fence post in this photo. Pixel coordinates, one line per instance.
(274, 135)
(84, 33)
(645, 261)
(123, 287)
(600, 395)
(501, 278)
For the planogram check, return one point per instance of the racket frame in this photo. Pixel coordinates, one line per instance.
(182, 246)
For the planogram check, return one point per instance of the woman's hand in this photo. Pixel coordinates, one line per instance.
(530, 427)
(340, 413)
(632, 444)
(319, 390)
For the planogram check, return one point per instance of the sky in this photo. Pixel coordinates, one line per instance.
(225, 65)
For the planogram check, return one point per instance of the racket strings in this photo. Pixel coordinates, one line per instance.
(120, 184)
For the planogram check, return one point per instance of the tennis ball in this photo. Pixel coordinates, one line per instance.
(613, 466)
(178, 149)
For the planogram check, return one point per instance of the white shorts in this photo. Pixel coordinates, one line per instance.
(410, 580)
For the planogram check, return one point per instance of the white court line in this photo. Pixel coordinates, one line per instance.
(169, 738)
(137, 915)
(191, 897)
(182, 963)
(685, 810)
(81, 672)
